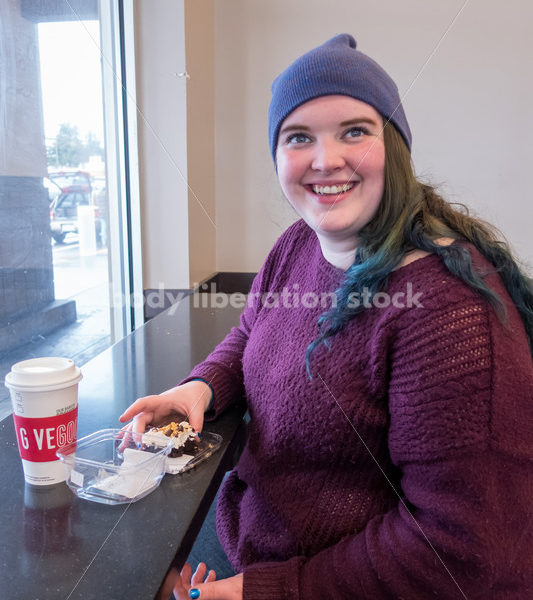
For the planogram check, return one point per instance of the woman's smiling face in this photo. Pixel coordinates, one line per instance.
(331, 162)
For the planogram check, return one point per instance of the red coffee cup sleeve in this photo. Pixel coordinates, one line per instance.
(39, 439)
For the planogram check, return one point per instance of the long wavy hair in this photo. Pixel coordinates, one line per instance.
(412, 215)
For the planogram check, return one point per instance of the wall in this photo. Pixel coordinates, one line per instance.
(175, 82)
(162, 134)
(199, 50)
(467, 92)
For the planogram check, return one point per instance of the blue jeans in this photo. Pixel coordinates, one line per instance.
(207, 548)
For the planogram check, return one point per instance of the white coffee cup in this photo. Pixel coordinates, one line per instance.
(44, 396)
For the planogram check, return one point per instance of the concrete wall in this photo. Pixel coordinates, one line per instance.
(27, 307)
(22, 150)
(26, 276)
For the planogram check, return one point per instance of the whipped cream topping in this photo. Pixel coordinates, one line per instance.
(178, 432)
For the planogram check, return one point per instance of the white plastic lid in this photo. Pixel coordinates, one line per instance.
(47, 372)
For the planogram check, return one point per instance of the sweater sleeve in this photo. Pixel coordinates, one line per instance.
(222, 369)
(460, 394)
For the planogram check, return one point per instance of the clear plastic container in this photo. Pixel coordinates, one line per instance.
(113, 467)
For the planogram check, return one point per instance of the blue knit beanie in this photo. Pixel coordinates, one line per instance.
(335, 67)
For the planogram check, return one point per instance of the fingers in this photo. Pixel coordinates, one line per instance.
(198, 395)
(125, 438)
(168, 585)
(134, 409)
(196, 415)
(211, 576)
(185, 581)
(199, 575)
(196, 424)
(181, 587)
(224, 589)
(141, 421)
(186, 572)
(188, 400)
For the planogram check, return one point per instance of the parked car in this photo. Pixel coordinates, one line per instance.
(71, 179)
(64, 213)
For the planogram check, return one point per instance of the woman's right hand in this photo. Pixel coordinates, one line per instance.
(189, 400)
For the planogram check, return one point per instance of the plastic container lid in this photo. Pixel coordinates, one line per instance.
(47, 373)
(110, 466)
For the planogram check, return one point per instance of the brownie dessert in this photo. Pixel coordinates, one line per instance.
(185, 438)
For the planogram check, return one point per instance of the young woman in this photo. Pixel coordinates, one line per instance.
(389, 452)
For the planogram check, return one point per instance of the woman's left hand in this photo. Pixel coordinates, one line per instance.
(224, 589)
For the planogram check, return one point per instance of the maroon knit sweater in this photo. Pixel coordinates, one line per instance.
(404, 468)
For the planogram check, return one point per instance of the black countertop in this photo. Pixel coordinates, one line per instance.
(58, 547)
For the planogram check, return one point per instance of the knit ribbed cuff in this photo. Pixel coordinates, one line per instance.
(272, 581)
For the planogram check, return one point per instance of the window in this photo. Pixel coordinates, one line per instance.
(68, 241)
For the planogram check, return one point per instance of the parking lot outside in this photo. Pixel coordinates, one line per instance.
(85, 280)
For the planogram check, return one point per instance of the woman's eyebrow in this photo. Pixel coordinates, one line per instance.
(357, 121)
(294, 128)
